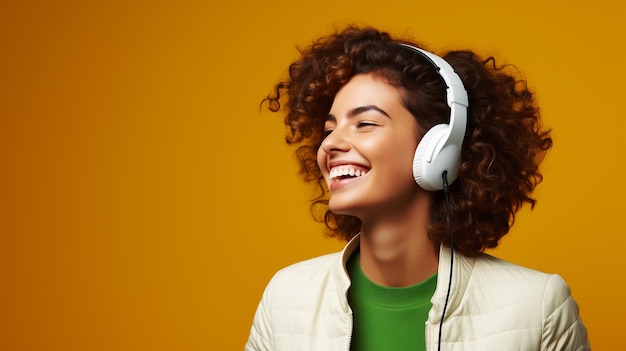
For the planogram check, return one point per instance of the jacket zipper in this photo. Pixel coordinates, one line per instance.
(351, 324)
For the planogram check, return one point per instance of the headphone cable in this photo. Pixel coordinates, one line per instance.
(446, 191)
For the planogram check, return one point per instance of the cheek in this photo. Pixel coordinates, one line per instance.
(397, 157)
(408, 144)
(394, 149)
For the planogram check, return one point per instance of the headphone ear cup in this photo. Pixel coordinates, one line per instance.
(427, 168)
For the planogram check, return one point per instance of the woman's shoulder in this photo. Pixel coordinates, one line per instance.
(511, 281)
(521, 297)
(491, 265)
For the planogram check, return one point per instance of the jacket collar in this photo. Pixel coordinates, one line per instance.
(462, 267)
(340, 272)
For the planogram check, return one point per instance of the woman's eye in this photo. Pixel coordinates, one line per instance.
(366, 124)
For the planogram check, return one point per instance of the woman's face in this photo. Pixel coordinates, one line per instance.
(366, 158)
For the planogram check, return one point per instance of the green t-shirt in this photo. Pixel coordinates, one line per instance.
(387, 318)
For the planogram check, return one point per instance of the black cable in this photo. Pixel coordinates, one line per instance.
(446, 191)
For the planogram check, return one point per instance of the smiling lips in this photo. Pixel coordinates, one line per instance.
(343, 172)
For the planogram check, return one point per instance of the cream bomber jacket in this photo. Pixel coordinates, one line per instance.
(493, 305)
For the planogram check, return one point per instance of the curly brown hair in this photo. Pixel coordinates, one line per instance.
(503, 145)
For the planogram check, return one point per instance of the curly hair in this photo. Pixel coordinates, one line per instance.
(503, 146)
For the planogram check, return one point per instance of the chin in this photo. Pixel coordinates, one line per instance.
(339, 208)
(345, 208)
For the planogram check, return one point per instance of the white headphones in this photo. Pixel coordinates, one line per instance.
(440, 148)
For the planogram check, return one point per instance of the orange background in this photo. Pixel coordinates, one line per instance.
(145, 201)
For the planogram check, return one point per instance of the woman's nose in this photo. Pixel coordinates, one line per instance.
(336, 140)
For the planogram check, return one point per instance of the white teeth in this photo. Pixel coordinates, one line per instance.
(345, 171)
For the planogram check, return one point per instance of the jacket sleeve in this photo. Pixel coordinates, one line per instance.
(260, 338)
(562, 327)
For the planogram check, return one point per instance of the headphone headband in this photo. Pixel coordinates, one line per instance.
(456, 91)
(440, 148)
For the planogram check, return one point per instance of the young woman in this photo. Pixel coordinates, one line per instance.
(423, 162)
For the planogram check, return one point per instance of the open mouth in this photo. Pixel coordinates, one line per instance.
(345, 172)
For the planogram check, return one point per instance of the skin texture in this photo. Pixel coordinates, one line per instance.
(371, 132)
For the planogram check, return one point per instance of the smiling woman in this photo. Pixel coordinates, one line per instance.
(373, 120)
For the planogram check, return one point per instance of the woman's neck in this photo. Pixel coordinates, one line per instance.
(397, 251)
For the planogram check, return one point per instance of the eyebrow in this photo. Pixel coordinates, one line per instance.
(358, 110)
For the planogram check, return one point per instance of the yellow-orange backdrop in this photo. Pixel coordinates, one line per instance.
(145, 201)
